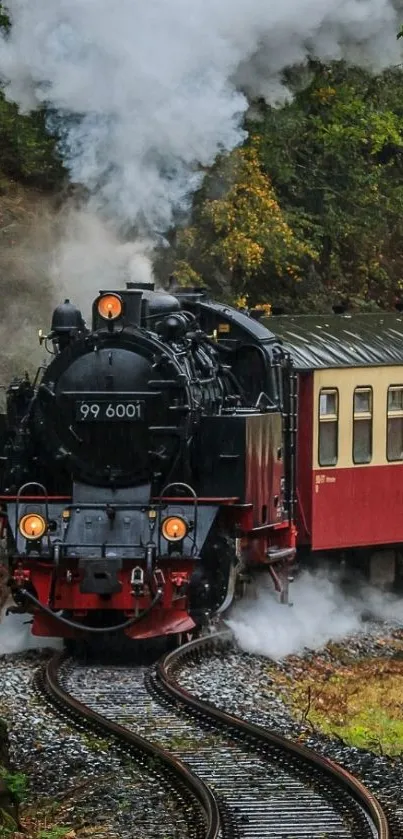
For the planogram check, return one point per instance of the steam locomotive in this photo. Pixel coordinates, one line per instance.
(148, 470)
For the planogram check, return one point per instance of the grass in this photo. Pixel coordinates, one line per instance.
(51, 818)
(96, 744)
(16, 782)
(43, 822)
(359, 701)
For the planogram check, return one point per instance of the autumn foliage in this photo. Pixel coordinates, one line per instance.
(240, 233)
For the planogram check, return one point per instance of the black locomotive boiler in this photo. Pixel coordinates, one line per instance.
(148, 469)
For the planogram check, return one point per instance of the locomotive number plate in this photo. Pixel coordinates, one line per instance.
(108, 411)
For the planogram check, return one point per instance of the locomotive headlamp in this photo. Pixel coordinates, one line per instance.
(110, 306)
(174, 529)
(32, 526)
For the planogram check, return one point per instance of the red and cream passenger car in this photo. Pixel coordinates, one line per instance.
(349, 482)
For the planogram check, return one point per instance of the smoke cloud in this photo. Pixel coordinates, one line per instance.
(146, 94)
(15, 636)
(321, 611)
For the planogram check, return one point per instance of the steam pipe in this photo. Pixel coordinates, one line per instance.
(93, 629)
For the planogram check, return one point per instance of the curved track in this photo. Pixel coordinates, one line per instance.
(191, 796)
(240, 781)
(367, 817)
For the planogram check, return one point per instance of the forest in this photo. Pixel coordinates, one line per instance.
(306, 214)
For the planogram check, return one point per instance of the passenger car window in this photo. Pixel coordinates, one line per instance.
(394, 448)
(328, 426)
(362, 425)
(328, 403)
(395, 398)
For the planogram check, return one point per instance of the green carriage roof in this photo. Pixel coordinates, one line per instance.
(347, 340)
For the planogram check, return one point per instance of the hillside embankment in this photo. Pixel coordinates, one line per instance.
(28, 231)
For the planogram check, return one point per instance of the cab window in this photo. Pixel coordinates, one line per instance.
(394, 448)
(362, 425)
(328, 426)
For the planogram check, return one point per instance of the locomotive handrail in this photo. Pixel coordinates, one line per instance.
(208, 499)
(108, 545)
(225, 499)
(109, 394)
(44, 498)
(195, 505)
(36, 497)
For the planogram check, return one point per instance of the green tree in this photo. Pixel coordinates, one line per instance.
(4, 19)
(334, 156)
(27, 151)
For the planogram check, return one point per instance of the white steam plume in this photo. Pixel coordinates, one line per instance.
(149, 91)
(321, 612)
(90, 258)
(15, 636)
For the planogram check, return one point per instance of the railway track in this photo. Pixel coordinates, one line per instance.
(230, 779)
(191, 807)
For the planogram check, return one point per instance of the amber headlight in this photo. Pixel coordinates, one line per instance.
(110, 306)
(32, 526)
(174, 529)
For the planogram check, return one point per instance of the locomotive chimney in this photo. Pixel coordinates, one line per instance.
(141, 286)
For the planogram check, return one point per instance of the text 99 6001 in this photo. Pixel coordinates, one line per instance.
(109, 411)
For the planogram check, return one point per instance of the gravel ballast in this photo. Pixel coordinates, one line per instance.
(74, 778)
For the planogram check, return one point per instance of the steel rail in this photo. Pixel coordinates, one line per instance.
(191, 782)
(166, 674)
